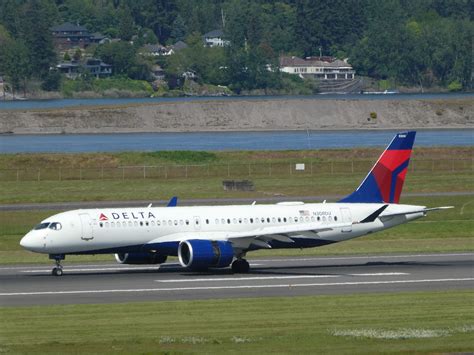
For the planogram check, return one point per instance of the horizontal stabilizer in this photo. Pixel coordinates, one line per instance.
(424, 210)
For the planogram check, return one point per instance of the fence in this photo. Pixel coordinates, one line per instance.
(287, 169)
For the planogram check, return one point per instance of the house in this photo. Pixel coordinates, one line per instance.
(96, 67)
(68, 36)
(70, 69)
(215, 39)
(320, 68)
(180, 45)
(99, 38)
(156, 50)
(157, 72)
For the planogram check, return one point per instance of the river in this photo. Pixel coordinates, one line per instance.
(214, 141)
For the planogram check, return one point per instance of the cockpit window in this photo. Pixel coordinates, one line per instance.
(43, 225)
(55, 226)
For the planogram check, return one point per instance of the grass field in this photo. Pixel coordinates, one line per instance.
(421, 322)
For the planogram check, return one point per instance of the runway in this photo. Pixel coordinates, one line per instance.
(272, 277)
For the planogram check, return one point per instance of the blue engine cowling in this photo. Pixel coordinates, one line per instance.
(201, 254)
(140, 258)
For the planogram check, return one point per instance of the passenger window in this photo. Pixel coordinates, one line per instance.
(112, 224)
(329, 218)
(335, 218)
(146, 223)
(284, 219)
(124, 224)
(187, 222)
(228, 220)
(263, 220)
(175, 222)
(152, 223)
(158, 223)
(101, 224)
(141, 224)
(279, 220)
(207, 221)
(306, 219)
(312, 218)
(273, 219)
(223, 221)
(301, 219)
(268, 219)
(170, 222)
(240, 220)
(296, 219)
(107, 224)
(324, 218)
(130, 223)
(234, 220)
(319, 218)
(181, 222)
(251, 220)
(246, 220)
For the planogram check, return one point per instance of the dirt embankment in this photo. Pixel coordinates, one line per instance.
(243, 115)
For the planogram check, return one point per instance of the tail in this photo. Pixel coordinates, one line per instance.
(384, 182)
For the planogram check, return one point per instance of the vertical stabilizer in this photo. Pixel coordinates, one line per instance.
(384, 182)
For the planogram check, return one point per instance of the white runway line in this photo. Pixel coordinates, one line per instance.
(379, 257)
(249, 278)
(382, 274)
(215, 288)
(94, 269)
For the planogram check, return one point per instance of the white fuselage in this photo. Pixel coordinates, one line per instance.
(94, 231)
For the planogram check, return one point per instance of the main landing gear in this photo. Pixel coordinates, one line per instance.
(58, 269)
(240, 266)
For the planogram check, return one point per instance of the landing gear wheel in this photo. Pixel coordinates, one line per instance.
(240, 266)
(57, 271)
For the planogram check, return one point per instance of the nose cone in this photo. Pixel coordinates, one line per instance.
(32, 242)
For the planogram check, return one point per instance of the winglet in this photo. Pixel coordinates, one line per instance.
(173, 202)
(372, 217)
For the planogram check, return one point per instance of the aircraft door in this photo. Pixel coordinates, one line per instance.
(87, 230)
(346, 218)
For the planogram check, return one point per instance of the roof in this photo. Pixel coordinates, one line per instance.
(154, 47)
(312, 61)
(214, 34)
(68, 27)
(179, 45)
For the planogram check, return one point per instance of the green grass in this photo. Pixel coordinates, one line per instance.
(211, 187)
(443, 231)
(349, 324)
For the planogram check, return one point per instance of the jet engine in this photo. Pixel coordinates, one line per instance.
(140, 258)
(199, 254)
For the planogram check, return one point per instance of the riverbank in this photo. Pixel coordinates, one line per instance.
(244, 115)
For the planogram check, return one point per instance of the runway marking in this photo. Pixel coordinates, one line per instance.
(95, 269)
(382, 274)
(367, 257)
(249, 278)
(214, 288)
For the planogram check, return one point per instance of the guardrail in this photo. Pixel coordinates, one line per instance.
(286, 169)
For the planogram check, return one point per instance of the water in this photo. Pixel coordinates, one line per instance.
(43, 104)
(286, 140)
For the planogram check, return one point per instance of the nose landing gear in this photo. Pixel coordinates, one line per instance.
(58, 269)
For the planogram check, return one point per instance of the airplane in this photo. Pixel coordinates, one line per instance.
(204, 237)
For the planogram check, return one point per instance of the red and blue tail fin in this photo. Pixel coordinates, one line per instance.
(384, 182)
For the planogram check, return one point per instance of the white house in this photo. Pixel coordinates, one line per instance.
(215, 39)
(321, 68)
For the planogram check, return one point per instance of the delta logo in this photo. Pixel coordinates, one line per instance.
(103, 217)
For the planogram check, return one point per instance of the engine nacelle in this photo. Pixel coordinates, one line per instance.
(201, 254)
(140, 258)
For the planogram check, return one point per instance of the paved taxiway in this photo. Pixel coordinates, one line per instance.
(295, 276)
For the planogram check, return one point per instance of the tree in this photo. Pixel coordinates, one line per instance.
(15, 63)
(121, 55)
(178, 32)
(126, 25)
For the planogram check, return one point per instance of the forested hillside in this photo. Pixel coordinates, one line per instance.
(409, 42)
